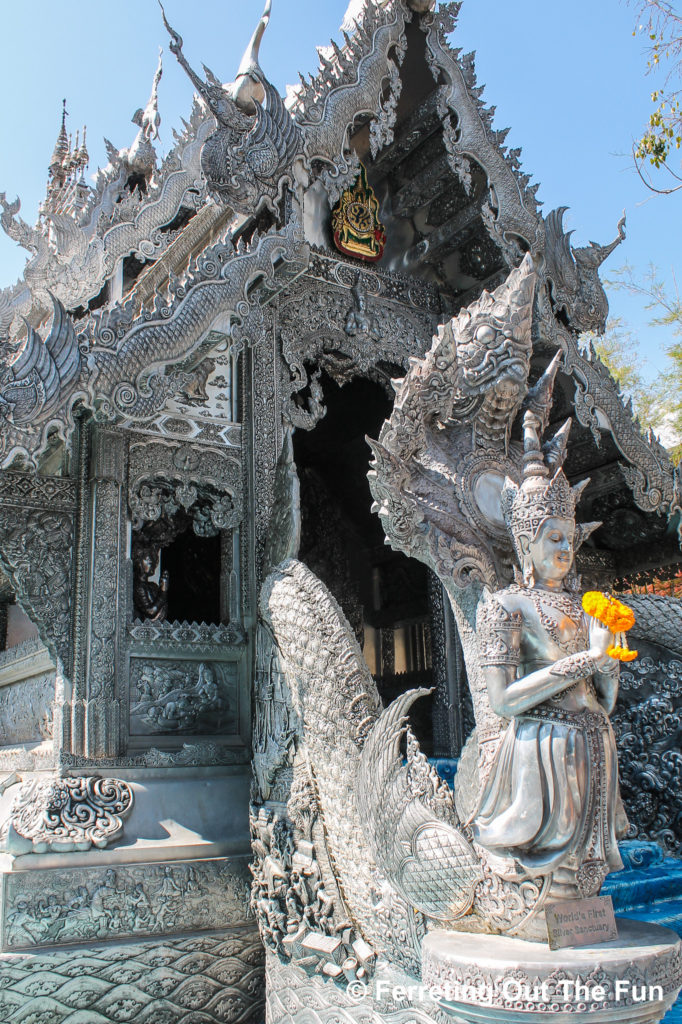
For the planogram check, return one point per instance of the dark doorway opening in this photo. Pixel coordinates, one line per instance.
(170, 549)
(383, 593)
(193, 565)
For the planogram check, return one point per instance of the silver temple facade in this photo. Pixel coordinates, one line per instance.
(190, 366)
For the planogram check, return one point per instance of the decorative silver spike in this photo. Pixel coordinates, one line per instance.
(539, 399)
(555, 449)
(579, 488)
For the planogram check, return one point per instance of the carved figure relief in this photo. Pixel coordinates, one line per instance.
(76, 905)
(575, 283)
(26, 710)
(37, 551)
(167, 476)
(348, 322)
(42, 373)
(183, 697)
(359, 322)
(273, 729)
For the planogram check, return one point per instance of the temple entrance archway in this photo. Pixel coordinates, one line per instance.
(384, 594)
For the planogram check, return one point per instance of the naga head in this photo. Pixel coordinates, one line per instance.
(491, 343)
(493, 335)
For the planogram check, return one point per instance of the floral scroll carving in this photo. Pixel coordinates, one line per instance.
(60, 815)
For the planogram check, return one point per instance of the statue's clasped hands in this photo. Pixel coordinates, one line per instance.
(611, 620)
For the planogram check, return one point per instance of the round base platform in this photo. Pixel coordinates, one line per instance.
(489, 978)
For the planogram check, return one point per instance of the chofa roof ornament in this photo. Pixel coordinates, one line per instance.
(247, 88)
(247, 159)
(576, 287)
(141, 156)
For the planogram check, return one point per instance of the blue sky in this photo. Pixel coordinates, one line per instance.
(568, 78)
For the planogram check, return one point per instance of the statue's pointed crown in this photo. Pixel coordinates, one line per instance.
(539, 496)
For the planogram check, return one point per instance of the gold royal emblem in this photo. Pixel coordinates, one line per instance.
(358, 232)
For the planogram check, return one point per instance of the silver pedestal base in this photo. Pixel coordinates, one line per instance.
(489, 978)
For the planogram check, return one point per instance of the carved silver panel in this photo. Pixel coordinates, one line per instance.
(165, 476)
(201, 638)
(55, 907)
(36, 552)
(26, 710)
(183, 697)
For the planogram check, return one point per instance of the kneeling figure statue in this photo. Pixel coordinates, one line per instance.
(551, 805)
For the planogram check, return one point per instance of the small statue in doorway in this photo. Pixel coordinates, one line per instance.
(360, 323)
(151, 599)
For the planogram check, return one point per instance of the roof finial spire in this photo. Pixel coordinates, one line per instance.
(61, 149)
(84, 155)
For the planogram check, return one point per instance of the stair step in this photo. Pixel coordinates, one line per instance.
(640, 889)
(669, 915)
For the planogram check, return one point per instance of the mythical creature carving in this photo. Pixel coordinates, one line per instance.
(128, 353)
(511, 212)
(204, 482)
(182, 698)
(72, 253)
(141, 156)
(323, 677)
(575, 284)
(331, 319)
(42, 374)
(445, 482)
(66, 261)
(247, 160)
(409, 813)
(388, 828)
(225, 281)
(63, 814)
(454, 408)
(455, 490)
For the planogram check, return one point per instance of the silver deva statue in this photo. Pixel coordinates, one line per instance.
(551, 804)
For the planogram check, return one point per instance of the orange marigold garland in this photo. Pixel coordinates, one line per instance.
(617, 616)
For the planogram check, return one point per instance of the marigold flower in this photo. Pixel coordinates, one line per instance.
(609, 610)
(621, 653)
